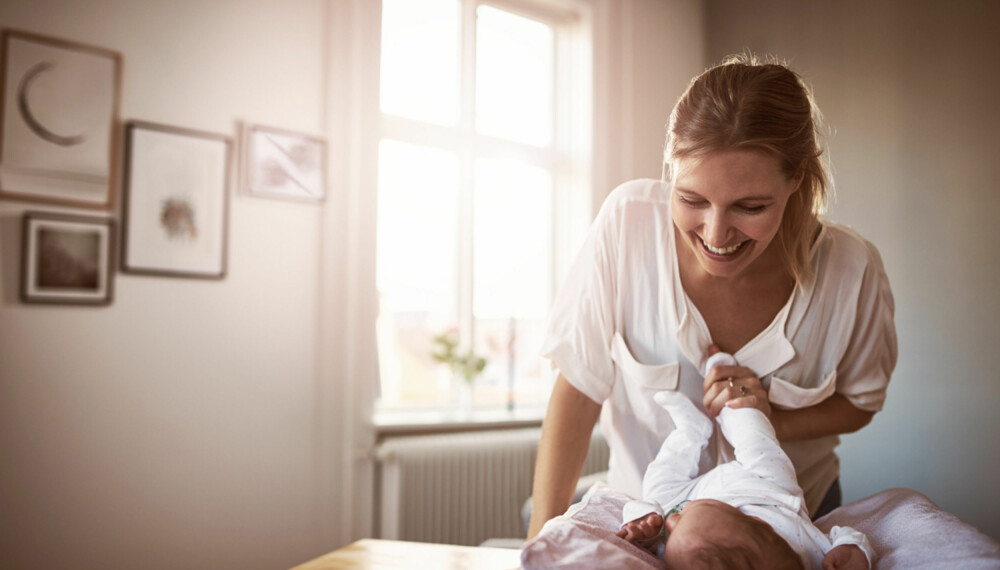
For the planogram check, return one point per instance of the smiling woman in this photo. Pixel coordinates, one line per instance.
(726, 252)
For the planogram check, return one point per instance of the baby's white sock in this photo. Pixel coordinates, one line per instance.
(718, 359)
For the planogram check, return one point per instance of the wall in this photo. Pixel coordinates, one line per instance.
(190, 424)
(908, 88)
(652, 49)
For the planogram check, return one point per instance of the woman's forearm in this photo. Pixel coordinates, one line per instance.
(562, 450)
(833, 416)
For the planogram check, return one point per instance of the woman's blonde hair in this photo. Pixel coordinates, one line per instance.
(749, 103)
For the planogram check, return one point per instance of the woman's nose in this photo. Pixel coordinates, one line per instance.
(716, 228)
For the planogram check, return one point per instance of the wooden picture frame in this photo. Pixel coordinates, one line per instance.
(175, 201)
(59, 105)
(66, 259)
(284, 164)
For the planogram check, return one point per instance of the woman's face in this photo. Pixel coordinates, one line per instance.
(728, 206)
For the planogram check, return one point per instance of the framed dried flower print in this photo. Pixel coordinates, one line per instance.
(58, 121)
(284, 164)
(174, 217)
(66, 259)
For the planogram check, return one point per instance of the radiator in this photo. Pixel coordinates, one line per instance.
(461, 488)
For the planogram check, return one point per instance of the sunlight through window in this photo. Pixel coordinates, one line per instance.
(512, 278)
(416, 273)
(469, 178)
(514, 77)
(421, 48)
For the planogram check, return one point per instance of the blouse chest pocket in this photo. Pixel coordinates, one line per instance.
(786, 395)
(650, 376)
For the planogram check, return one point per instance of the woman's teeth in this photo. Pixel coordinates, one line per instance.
(723, 250)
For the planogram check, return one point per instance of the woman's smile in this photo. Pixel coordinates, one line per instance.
(723, 253)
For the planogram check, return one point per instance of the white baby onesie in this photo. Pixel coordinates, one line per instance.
(760, 482)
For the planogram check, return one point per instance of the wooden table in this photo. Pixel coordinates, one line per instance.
(378, 554)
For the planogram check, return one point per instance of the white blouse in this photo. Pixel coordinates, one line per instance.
(622, 329)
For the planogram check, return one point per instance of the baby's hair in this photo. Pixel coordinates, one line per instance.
(717, 557)
(764, 548)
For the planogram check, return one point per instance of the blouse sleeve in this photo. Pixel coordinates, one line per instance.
(581, 323)
(864, 370)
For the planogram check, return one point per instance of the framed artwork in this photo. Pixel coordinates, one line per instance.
(284, 164)
(58, 121)
(174, 213)
(66, 259)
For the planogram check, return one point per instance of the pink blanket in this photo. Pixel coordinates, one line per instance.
(906, 529)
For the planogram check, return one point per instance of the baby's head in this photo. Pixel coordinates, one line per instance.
(711, 534)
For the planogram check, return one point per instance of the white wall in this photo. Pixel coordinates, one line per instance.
(909, 88)
(191, 424)
(652, 49)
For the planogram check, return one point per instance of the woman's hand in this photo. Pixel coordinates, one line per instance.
(733, 386)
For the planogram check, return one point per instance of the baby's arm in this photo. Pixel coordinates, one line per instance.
(851, 550)
(845, 557)
(669, 475)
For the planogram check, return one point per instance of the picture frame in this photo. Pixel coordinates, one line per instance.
(59, 105)
(284, 164)
(175, 201)
(67, 259)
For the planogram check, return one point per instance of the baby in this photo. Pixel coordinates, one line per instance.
(748, 513)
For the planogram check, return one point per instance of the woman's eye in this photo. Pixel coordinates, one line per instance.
(753, 209)
(692, 203)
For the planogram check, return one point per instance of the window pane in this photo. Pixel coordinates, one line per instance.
(416, 273)
(512, 280)
(421, 59)
(514, 77)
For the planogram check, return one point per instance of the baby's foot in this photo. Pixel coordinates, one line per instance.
(718, 359)
(684, 413)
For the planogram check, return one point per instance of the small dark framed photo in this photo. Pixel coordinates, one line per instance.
(283, 164)
(66, 259)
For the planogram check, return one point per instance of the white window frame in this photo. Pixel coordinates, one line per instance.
(569, 158)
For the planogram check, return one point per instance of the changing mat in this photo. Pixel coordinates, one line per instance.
(906, 529)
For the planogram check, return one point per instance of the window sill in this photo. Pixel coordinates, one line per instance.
(408, 422)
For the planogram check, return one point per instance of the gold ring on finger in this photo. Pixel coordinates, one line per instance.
(743, 390)
(731, 384)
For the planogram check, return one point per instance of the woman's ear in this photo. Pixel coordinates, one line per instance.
(800, 175)
(796, 181)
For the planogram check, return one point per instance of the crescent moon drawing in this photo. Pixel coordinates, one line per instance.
(33, 123)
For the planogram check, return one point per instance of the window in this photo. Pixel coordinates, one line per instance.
(483, 184)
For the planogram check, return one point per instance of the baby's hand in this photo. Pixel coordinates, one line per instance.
(643, 529)
(845, 557)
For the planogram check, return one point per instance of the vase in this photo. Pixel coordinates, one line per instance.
(461, 395)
